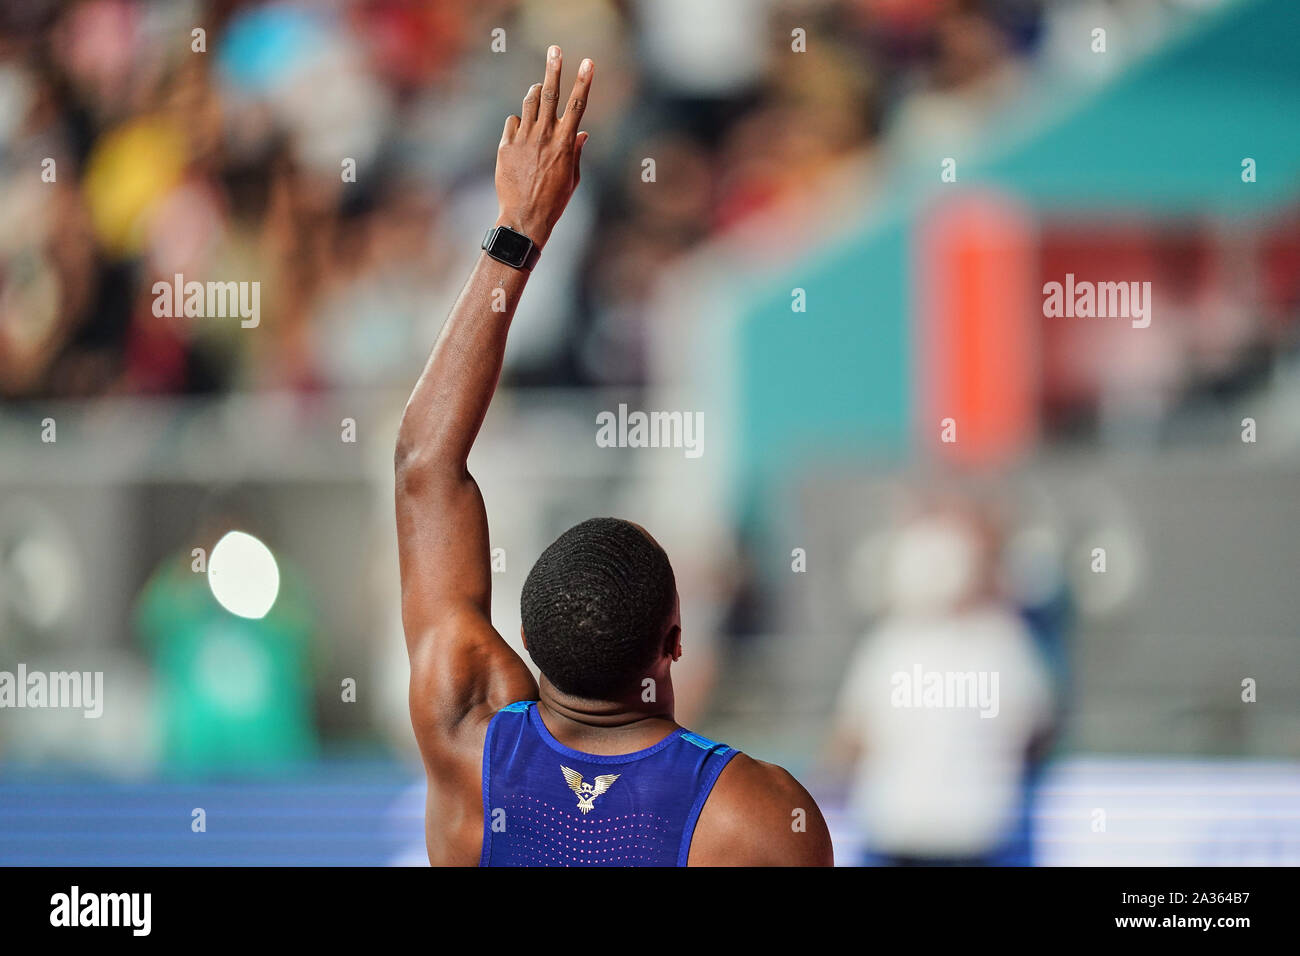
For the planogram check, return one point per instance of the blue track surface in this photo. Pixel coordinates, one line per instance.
(363, 815)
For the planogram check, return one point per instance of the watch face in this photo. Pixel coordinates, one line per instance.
(510, 246)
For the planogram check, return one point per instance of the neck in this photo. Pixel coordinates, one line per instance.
(626, 724)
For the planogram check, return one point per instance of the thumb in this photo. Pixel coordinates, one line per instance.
(579, 142)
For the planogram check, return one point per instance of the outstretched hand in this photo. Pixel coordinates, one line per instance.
(539, 154)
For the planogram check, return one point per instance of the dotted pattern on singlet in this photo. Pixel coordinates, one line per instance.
(562, 837)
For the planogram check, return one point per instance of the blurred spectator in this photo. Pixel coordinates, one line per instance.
(942, 703)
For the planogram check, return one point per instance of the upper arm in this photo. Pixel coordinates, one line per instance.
(460, 665)
(759, 815)
(442, 546)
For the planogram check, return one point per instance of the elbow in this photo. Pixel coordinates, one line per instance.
(412, 456)
(417, 445)
(416, 464)
(404, 452)
(411, 465)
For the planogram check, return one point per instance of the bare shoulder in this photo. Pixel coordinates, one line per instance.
(759, 815)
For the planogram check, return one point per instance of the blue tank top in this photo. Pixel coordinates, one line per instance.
(545, 804)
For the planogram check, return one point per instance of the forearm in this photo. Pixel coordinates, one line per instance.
(451, 397)
(536, 172)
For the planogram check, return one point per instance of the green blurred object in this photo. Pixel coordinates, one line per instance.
(233, 692)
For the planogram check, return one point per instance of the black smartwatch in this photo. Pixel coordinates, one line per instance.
(513, 248)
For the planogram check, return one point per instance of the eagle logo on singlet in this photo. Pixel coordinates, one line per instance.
(588, 792)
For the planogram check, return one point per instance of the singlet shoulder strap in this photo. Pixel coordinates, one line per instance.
(716, 759)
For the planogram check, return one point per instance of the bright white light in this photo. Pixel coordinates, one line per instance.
(243, 575)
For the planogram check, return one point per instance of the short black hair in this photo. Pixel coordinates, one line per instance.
(595, 607)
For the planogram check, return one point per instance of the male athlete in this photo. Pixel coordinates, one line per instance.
(586, 768)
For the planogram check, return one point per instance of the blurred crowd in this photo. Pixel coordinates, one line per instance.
(341, 155)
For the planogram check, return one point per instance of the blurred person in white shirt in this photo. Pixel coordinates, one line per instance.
(942, 702)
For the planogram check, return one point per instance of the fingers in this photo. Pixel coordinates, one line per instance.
(539, 106)
(512, 127)
(550, 88)
(578, 143)
(528, 112)
(577, 99)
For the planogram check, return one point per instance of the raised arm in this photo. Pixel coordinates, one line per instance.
(460, 666)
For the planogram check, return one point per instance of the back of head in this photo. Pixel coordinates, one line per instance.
(596, 608)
